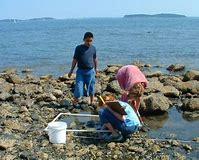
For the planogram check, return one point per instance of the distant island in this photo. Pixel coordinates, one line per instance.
(32, 19)
(162, 15)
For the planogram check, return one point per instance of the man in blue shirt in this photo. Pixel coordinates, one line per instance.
(86, 60)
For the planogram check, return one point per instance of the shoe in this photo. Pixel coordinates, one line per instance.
(114, 138)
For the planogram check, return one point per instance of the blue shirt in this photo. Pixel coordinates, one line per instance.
(131, 117)
(85, 56)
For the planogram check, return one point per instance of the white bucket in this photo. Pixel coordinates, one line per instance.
(57, 132)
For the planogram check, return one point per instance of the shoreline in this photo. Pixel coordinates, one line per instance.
(29, 103)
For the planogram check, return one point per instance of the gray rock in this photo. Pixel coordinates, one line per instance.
(154, 85)
(170, 91)
(191, 75)
(13, 78)
(10, 71)
(191, 104)
(156, 102)
(191, 116)
(154, 74)
(113, 87)
(176, 67)
(46, 97)
(57, 93)
(111, 69)
(5, 96)
(188, 87)
(26, 70)
(98, 88)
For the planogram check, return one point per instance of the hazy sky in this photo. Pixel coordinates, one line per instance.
(24, 9)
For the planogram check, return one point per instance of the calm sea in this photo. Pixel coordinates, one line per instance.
(47, 46)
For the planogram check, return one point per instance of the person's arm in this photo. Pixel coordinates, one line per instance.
(74, 62)
(95, 64)
(117, 115)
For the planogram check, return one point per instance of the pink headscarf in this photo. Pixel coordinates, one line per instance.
(129, 75)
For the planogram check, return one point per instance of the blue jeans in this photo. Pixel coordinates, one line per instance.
(84, 78)
(107, 117)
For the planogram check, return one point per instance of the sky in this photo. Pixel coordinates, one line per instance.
(25, 9)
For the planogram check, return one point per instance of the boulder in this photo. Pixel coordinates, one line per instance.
(46, 77)
(57, 93)
(169, 80)
(13, 78)
(191, 104)
(98, 88)
(66, 78)
(111, 69)
(188, 87)
(170, 91)
(191, 75)
(5, 96)
(154, 85)
(5, 86)
(27, 89)
(154, 74)
(46, 97)
(156, 102)
(176, 67)
(113, 87)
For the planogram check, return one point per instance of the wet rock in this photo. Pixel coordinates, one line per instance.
(5, 96)
(6, 143)
(5, 86)
(170, 91)
(187, 147)
(26, 70)
(176, 67)
(154, 86)
(66, 78)
(10, 71)
(111, 145)
(154, 74)
(188, 87)
(46, 97)
(174, 143)
(148, 65)
(42, 155)
(170, 80)
(111, 69)
(156, 102)
(191, 75)
(191, 116)
(156, 148)
(46, 77)
(13, 78)
(178, 156)
(196, 139)
(57, 93)
(113, 87)
(136, 149)
(191, 104)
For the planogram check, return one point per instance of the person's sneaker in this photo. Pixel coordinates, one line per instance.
(113, 138)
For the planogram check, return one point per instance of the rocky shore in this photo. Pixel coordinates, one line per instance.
(29, 103)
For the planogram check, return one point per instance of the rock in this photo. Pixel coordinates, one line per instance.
(66, 78)
(191, 104)
(135, 149)
(148, 65)
(156, 148)
(46, 77)
(43, 156)
(26, 70)
(111, 145)
(57, 93)
(139, 64)
(98, 88)
(155, 102)
(13, 125)
(154, 74)
(196, 139)
(46, 97)
(154, 86)
(191, 116)
(187, 147)
(174, 143)
(27, 144)
(5, 86)
(5, 96)
(170, 91)
(188, 87)
(164, 157)
(114, 87)
(6, 143)
(28, 89)
(191, 75)
(23, 109)
(111, 70)
(13, 78)
(10, 71)
(169, 80)
(176, 67)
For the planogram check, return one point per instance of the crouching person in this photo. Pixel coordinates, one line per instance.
(120, 126)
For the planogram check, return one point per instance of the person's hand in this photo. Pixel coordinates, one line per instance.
(70, 74)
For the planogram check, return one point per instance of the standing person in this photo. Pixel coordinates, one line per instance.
(86, 60)
(133, 82)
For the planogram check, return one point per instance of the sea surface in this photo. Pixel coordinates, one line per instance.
(47, 46)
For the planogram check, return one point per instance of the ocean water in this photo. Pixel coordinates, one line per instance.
(48, 46)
